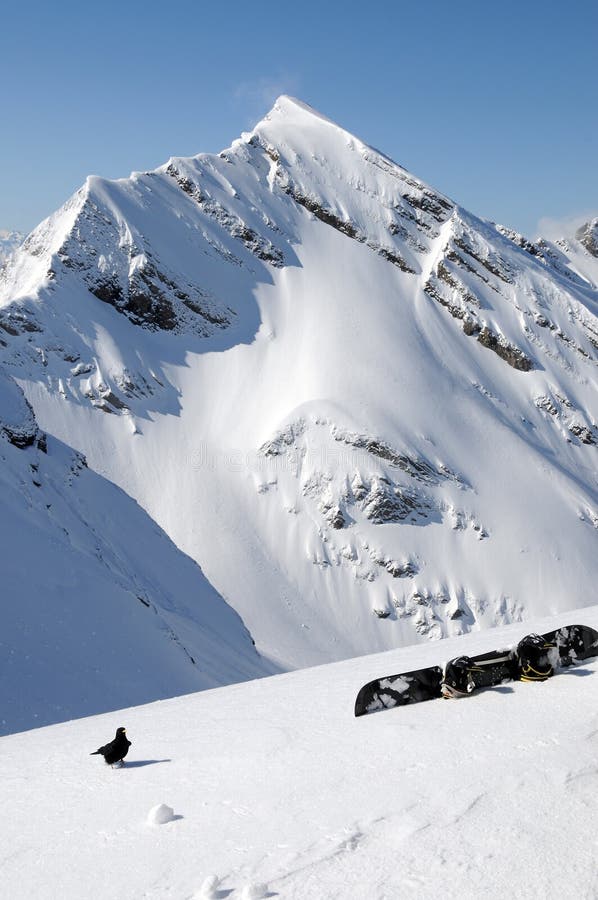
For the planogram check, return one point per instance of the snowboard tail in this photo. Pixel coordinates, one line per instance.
(571, 644)
(398, 690)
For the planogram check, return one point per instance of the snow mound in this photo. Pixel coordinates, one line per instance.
(208, 889)
(160, 815)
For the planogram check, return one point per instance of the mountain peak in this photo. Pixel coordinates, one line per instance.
(288, 107)
(292, 120)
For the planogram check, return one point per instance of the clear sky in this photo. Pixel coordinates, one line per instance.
(494, 104)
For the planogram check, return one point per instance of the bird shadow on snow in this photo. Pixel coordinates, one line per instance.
(137, 763)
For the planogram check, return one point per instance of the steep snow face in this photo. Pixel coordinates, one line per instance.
(370, 416)
(97, 603)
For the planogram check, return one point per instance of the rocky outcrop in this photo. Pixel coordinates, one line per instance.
(587, 236)
(572, 422)
(499, 345)
(133, 280)
(17, 421)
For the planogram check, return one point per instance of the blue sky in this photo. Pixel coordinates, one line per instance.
(493, 104)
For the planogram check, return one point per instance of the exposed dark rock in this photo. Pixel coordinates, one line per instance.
(381, 613)
(547, 404)
(495, 265)
(8, 327)
(212, 318)
(582, 432)
(336, 518)
(430, 288)
(511, 354)
(460, 261)
(386, 502)
(14, 322)
(417, 468)
(18, 424)
(519, 240)
(393, 257)
(470, 326)
(18, 437)
(333, 515)
(324, 215)
(587, 236)
(436, 206)
(108, 290)
(284, 439)
(457, 614)
(150, 306)
(401, 570)
(111, 398)
(347, 228)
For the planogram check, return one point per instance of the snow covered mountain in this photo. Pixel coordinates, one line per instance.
(277, 791)
(370, 416)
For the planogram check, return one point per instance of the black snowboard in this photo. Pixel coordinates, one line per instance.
(572, 643)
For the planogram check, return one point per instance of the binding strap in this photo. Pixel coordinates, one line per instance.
(528, 673)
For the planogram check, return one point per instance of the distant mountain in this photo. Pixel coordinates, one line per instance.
(9, 241)
(579, 244)
(370, 416)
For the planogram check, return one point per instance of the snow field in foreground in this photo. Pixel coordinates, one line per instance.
(276, 788)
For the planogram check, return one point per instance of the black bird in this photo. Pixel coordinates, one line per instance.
(116, 750)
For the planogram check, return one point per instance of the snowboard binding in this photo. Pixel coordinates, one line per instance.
(458, 678)
(533, 656)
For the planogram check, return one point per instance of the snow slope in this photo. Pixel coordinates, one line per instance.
(370, 416)
(98, 605)
(278, 791)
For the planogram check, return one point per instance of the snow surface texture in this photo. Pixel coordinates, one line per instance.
(276, 784)
(370, 416)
